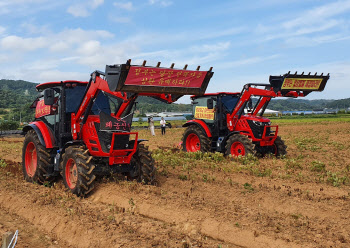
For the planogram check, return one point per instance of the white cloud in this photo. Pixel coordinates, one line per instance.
(2, 30)
(3, 58)
(124, 5)
(59, 46)
(34, 29)
(83, 9)
(303, 28)
(78, 10)
(90, 47)
(96, 3)
(119, 19)
(220, 46)
(58, 75)
(163, 3)
(17, 44)
(318, 14)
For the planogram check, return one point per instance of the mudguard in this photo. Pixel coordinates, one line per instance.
(201, 124)
(45, 135)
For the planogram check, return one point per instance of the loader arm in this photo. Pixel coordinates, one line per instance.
(287, 85)
(165, 84)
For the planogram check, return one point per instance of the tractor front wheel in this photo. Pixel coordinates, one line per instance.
(77, 170)
(239, 145)
(143, 166)
(35, 159)
(279, 148)
(195, 139)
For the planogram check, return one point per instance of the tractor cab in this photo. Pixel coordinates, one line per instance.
(212, 109)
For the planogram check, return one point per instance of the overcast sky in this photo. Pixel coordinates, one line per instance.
(245, 41)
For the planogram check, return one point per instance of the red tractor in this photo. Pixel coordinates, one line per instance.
(83, 129)
(229, 123)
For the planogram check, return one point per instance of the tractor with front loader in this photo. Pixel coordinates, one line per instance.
(230, 123)
(83, 129)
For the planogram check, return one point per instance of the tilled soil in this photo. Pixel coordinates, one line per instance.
(298, 201)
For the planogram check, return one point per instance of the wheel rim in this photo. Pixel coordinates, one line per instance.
(237, 149)
(274, 149)
(193, 143)
(71, 173)
(31, 160)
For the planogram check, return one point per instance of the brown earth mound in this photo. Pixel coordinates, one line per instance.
(200, 200)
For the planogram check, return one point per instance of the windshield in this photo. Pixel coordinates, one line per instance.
(229, 102)
(74, 97)
(103, 102)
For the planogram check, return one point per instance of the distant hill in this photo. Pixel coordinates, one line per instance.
(17, 95)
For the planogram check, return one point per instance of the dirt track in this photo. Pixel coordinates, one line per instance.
(298, 201)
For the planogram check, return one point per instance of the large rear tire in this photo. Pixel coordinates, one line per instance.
(143, 166)
(239, 145)
(195, 139)
(35, 160)
(77, 170)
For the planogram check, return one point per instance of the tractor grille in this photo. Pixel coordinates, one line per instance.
(258, 130)
(120, 141)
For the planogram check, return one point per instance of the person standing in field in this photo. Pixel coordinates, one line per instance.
(151, 125)
(162, 125)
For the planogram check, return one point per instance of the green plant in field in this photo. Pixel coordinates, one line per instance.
(336, 181)
(2, 163)
(315, 148)
(208, 178)
(250, 158)
(231, 182)
(248, 187)
(183, 177)
(337, 145)
(296, 216)
(292, 164)
(111, 218)
(318, 166)
(131, 202)
(307, 143)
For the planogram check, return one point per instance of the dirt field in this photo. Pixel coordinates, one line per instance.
(201, 200)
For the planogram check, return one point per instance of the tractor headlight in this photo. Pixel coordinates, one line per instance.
(258, 123)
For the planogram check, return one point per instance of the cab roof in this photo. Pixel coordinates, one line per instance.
(43, 86)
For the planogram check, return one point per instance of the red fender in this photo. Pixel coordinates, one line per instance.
(44, 133)
(201, 124)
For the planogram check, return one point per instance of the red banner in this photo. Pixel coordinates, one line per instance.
(42, 109)
(150, 76)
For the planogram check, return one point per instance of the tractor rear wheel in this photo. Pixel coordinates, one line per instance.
(35, 159)
(143, 166)
(77, 170)
(239, 145)
(279, 148)
(195, 139)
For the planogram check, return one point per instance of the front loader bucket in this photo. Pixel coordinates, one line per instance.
(148, 79)
(298, 82)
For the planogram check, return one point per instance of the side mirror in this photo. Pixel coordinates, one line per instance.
(49, 97)
(210, 103)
